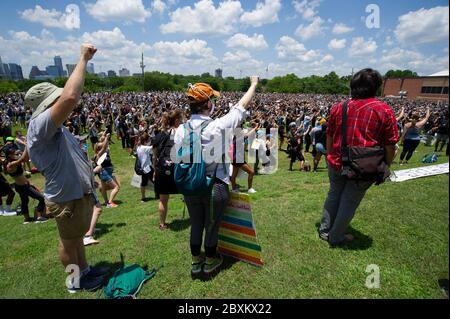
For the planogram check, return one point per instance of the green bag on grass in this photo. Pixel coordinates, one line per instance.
(127, 282)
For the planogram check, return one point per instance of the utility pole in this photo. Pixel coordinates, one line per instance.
(143, 73)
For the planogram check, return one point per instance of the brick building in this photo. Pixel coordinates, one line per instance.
(432, 87)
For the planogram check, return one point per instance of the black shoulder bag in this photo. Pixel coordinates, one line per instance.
(362, 163)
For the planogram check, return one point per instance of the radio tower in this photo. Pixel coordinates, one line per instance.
(143, 73)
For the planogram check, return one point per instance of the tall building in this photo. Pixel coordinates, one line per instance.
(101, 75)
(59, 66)
(36, 74)
(90, 68)
(4, 71)
(218, 73)
(124, 72)
(111, 74)
(53, 71)
(16, 72)
(70, 68)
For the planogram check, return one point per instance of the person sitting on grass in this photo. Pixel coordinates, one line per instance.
(14, 167)
(108, 180)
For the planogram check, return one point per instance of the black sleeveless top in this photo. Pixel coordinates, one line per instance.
(107, 162)
(18, 172)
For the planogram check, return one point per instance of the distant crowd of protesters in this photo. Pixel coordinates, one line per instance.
(62, 122)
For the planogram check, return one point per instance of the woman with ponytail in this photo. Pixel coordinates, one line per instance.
(162, 144)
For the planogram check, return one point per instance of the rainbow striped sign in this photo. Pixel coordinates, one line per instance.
(237, 233)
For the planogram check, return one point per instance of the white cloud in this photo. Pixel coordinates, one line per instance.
(307, 8)
(241, 59)
(336, 44)
(291, 50)
(399, 58)
(341, 28)
(362, 48)
(423, 26)
(159, 6)
(113, 10)
(388, 41)
(327, 58)
(114, 49)
(52, 18)
(205, 18)
(312, 30)
(264, 13)
(192, 49)
(239, 40)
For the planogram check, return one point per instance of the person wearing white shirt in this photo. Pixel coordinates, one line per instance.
(144, 154)
(202, 218)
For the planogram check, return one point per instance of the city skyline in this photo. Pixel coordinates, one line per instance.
(265, 37)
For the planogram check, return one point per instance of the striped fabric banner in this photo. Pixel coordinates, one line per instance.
(237, 233)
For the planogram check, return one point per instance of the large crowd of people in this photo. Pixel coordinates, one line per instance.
(61, 122)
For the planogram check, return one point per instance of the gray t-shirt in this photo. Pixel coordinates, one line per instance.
(57, 154)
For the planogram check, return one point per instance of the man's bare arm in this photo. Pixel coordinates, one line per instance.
(389, 154)
(73, 88)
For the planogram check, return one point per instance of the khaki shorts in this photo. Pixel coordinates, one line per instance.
(73, 218)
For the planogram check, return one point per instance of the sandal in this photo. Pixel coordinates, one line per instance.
(163, 226)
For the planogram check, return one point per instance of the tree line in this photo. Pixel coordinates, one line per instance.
(158, 81)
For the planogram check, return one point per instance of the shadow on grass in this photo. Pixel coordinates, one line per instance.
(228, 262)
(179, 224)
(361, 241)
(106, 228)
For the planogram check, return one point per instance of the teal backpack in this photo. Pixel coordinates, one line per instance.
(190, 176)
(430, 158)
(127, 282)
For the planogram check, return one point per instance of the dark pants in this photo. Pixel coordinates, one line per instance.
(6, 190)
(307, 142)
(25, 192)
(340, 206)
(409, 146)
(205, 217)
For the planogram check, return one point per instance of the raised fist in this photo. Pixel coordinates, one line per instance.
(254, 79)
(88, 51)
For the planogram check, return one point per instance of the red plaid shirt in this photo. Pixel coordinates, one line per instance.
(370, 123)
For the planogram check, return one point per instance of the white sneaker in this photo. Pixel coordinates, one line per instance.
(9, 213)
(89, 241)
(251, 191)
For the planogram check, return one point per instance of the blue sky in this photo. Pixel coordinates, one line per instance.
(243, 37)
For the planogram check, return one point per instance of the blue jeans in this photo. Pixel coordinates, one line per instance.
(342, 201)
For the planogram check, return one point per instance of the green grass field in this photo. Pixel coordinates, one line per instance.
(401, 227)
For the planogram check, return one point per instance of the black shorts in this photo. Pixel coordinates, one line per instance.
(146, 178)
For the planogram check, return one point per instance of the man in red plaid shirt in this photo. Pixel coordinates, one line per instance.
(370, 123)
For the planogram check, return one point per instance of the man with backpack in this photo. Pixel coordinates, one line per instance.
(206, 207)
